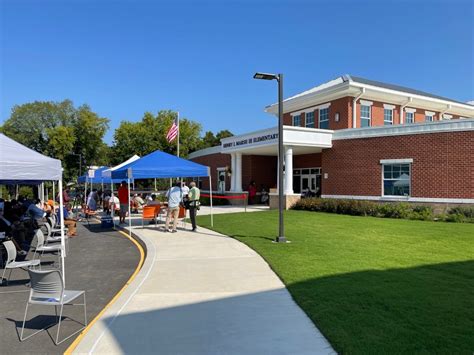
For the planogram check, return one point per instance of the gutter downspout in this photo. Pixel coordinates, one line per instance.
(354, 113)
(402, 107)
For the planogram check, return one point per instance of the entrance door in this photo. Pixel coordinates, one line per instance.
(307, 179)
(221, 180)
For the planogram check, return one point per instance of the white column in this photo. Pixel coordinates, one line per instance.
(238, 172)
(232, 167)
(288, 170)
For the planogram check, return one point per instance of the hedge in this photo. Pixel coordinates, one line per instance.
(384, 210)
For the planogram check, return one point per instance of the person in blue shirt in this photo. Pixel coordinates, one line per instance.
(175, 197)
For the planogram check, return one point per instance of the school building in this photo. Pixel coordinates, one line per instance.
(357, 139)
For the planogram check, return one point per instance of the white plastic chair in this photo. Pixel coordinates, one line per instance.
(11, 264)
(42, 248)
(47, 289)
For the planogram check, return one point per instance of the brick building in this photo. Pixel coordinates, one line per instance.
(361, 139)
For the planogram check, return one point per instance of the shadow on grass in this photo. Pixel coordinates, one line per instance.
(426, 309)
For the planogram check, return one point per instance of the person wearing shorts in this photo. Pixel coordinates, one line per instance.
(175, 197)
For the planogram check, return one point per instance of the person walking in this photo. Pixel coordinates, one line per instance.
(194, 195)
(175, 197)
(123, 196)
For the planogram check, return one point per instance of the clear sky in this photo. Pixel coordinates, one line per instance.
(127, 57)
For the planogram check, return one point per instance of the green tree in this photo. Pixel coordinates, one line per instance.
(149, 134)
(60, 130)
(223, 134)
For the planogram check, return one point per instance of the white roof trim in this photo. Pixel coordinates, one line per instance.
(399, 130)
(388, 107)
(205, 151)
(396, 161)
(311, 109)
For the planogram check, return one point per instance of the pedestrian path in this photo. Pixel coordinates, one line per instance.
(203, 293)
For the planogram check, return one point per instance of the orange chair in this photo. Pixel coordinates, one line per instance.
(149, 214)
(157, 211)
(182, 214)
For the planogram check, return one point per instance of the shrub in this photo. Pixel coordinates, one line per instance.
(205, 201)
(465, 211)
(385, 210)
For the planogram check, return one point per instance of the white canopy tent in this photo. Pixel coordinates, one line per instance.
(108, 174)
(19, 164)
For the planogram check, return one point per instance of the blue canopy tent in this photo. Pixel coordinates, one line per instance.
(98, 177)
(162, 165)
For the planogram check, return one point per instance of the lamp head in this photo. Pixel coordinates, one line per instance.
(265, 76)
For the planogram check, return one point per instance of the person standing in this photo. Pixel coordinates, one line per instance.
(123, 196)
(175, 197)
(252, 189)
(194, 195)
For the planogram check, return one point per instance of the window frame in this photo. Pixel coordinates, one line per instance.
(306, 120)
(385, 122)
(406, 117)
(319, 117)
(366, 118)
(383, 195)
(293, 120)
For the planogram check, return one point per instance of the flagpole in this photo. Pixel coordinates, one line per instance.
(178, 137)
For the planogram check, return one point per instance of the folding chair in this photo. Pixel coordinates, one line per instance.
(42, 248)
(47, 289)
(148, 214)
(12, 264)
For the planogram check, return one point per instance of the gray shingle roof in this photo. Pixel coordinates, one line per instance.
(360, 80)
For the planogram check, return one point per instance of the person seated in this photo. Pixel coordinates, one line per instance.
(114, 203)
(68, 221)
(36, 212)
(153, 201)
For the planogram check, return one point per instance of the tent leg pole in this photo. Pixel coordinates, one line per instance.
(210, 199)
(129, 211)
(63, 244)
(54, 192)
(113, 203)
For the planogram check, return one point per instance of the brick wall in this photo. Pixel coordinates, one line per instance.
(443, 164)
(214, 161)
(307, 161)
(343, 106)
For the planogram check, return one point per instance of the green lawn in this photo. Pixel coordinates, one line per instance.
(371, 285)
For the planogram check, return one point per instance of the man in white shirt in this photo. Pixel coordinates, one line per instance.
(175, 196)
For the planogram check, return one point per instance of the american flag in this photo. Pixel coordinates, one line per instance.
(173, 131)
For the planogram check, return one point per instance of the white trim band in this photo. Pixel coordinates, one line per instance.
(430, 113)
(410, 110)
(310, 109)
(366, 103)
(388, 107)
(402, 198)
(396, 161)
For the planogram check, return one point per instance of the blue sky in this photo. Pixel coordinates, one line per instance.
(127, 57)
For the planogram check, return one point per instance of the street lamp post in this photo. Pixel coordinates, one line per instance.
(279, 78)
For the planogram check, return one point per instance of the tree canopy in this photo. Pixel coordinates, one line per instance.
(75, 135)
(59, 130)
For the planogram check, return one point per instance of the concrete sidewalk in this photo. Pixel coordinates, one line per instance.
(203, 293)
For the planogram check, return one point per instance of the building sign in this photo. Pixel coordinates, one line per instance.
(242, 142)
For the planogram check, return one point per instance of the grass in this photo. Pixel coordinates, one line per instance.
(371, 285)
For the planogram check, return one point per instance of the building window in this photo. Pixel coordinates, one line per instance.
(429, 118)
(365, 116)
(409, 117)
(396, 180)
(324, 118)
(297, 120)
(310, 119)
(387, 116)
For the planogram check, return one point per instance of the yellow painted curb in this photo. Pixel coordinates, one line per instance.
(74, 344)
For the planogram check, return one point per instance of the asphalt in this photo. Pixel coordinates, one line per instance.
(99, 261)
